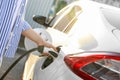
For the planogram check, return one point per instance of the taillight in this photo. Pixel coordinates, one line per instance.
(85, 64)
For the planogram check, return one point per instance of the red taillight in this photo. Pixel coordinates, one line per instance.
(77, 61)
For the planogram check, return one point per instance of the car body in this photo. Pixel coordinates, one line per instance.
(83, 28)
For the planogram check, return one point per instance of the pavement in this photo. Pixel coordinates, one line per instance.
(17, 72)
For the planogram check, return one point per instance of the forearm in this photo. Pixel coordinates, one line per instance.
(32, 35)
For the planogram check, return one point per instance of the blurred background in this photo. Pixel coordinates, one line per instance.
(115, 3)
(51, 7)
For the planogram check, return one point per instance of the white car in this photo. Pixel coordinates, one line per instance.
(89, 36)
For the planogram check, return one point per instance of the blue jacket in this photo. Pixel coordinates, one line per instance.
(11, 25)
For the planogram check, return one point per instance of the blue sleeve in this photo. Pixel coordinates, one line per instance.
(25, 25)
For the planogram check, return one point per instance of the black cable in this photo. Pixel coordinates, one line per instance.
(40, 49)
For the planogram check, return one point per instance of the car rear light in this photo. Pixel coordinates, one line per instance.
(83, 64)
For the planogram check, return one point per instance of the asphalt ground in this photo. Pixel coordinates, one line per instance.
(17, 72)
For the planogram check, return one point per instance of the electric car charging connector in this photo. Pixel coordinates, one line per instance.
(52, 55)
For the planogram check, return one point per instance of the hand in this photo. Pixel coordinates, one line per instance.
(48, 45)
(35, 37)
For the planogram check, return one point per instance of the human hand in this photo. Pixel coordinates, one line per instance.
(48, 45)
